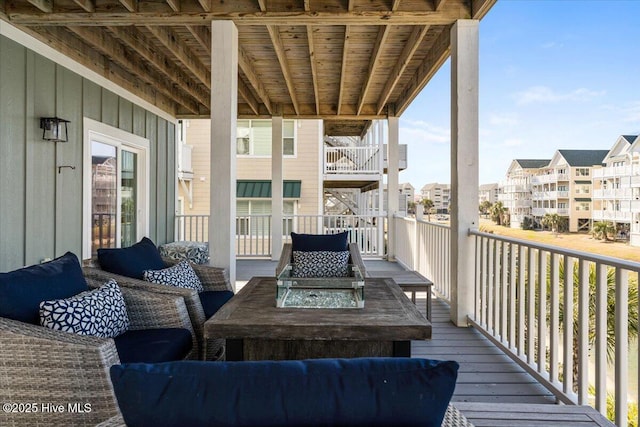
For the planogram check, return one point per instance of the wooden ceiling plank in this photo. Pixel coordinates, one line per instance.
(135, 41)
(430, 65)
(350, 5)
(410, 48)
(172, 42)
(86, 5)
(307, 5)
(84, 54)
(447, 17)
(205, 5)
(343, 71)
(262, 4)
(244, 63)
(130, 5)
(395, 4)
(116, 52)
(383, 32)
(174, 5)
(314, 70)
(244, 91)
(45, 6)
(202, 35)
(479, 8)
(278, 46)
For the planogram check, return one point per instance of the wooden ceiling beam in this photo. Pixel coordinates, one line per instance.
(430, 65)
(395, 4)
(172, 42)
(244, 63)
(350, 4)
(130, 5)
(206, 5)
(307, 5)
(86, 5)
(174, 5)
(115, 51)
(245, 93)
(479, 8)
(314, 70)
(24, 17)
(132, 38)
(86, 55)
(278, 46)
(383, 32)
(262, 4)
(45, 6)
(343, 71)
(202, 35)
(410, 48)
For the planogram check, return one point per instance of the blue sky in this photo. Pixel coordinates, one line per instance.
(554, 74)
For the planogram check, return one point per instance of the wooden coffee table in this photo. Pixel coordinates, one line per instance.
(255, 329)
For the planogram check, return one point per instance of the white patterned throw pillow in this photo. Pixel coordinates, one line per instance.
(320, 264)
(180, 275)
(99, 312)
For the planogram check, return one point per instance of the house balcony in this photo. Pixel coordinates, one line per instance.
(611, 215)
(550, 195)
(610, 172)
(553, 177)
(519, 351)
(353, 167)
(614, 193)
(551, 211)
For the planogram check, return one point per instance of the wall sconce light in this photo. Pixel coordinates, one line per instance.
(54, 129)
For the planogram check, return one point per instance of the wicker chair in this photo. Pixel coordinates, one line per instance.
(286, 257)
(212, 278)
(452, 418)
(42, 366)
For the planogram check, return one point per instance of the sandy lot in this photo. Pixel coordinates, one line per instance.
(576, 241)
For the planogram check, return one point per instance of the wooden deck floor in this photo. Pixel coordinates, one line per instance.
(492, 390)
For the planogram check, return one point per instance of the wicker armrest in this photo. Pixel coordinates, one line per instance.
(213, 278)
(40, 365)
(116, 421)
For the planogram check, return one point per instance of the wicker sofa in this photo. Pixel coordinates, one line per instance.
(41, 366)
(212, 278)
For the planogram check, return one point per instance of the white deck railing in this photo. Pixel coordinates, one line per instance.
(253, 232)
(352, 160)
(424, 247)
(569, 331)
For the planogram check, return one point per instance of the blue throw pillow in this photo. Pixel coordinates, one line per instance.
(99, 312)
(320, 264)
(320, 242)
(321, 392)
(21, 291)
(131, 261)
(180, 275)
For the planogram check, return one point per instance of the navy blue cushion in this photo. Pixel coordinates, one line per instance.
(22, 291)
(131, 261)
(320, 242)
(153, 345)
(321, 392)
(212, 301)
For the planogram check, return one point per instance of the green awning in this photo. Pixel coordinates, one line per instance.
(582, 182)
(261, 188)
(578, 199)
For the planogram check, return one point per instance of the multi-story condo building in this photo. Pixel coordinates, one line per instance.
(564, 187)
(440, 195)
(515, 190)
(617, 188)
(488, 193)
(408, 191)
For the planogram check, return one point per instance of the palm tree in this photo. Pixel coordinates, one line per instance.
(484, 207)
(428, 206)
(603, 230)
(611, 309)
(497, 212)
(552, 221)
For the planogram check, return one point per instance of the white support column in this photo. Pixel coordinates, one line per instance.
(276, 187)
(464, 166)
(224, 107)
(393, 161)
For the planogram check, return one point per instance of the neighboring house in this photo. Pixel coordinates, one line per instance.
(408, 190)
(488, 193)
(302, 177)
(515, 190)
(564, 187)
(616, 195)
(439, 194)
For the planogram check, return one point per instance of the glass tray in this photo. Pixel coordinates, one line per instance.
(316, 292)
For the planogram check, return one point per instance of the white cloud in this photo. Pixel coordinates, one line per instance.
(544, 94)
(503, 119)
(421, 131)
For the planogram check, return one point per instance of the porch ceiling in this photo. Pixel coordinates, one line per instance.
(344, 61)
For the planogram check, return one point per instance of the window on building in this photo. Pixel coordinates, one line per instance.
(582, 172)
(582, 206)
(253, 217)
(253, 138)
(115, 188)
